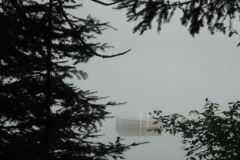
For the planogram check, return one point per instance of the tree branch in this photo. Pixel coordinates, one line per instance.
(105, 4)
(21, 126)
(82, 41)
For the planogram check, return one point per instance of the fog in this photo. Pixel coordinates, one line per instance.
(169, 71)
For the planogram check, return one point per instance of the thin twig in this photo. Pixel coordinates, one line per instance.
(105, 4)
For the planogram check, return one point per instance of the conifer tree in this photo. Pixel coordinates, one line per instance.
(41, 115)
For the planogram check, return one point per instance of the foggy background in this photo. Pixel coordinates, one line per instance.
(169, 71)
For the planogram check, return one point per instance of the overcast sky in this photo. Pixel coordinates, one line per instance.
(169, 71)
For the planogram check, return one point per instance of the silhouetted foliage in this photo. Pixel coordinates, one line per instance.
(231, 32)
(195, 13)
(41, 115)
(212, 135)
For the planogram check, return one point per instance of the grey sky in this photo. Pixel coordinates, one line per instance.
(170, 71)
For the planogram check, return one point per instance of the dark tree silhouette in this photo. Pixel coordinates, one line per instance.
(41, 115)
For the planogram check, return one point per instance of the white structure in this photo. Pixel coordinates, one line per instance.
(129, 126)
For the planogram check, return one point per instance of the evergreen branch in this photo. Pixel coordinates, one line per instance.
(105, 4)
(178, 4)
(82, 41)
(109, 149)
(20, 126)
(105, 24)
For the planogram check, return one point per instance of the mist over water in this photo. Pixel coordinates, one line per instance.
(170, 71)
